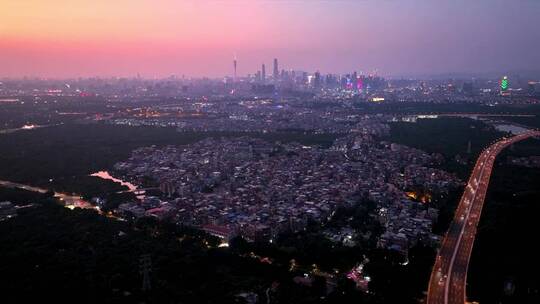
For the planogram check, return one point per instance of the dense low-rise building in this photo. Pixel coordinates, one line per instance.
(257, 189)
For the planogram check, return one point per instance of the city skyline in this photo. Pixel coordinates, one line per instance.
(62, 39)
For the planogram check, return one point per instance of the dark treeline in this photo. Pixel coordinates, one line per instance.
(447, 136)
(61, 156)
(54, 254)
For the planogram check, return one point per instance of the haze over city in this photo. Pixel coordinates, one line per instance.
(269, 152)
(62, 38)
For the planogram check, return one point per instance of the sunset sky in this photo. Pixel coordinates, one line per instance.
(61, 38)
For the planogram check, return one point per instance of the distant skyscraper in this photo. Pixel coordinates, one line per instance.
(348, 82)
(504, 85)
(532, 87)
(360, 84)
(234, 65)
(263, 76)
(276, 70)
(317, 80)
(468, 88)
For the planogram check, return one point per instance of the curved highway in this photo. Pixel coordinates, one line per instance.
(449, 275)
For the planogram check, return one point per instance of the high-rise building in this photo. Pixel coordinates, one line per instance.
(532, 87)
(468, 88)
(504, 85)
(234, 65)
(343, 81)
(263, 71)
(317, 80)
(304, 78)
(360, 84)
(276, 70)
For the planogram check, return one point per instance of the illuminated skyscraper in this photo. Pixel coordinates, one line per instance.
(263, 70)
(360, 84)
(504, 85)
(276, 70)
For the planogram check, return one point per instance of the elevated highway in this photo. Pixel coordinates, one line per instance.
(449, 274)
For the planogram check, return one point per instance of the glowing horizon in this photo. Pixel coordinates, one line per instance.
(60, 38)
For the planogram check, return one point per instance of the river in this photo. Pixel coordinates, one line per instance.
(131, 187)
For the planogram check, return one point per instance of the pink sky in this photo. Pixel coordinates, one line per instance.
(60, 38)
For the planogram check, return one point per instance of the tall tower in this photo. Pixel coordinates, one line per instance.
(276, 69)
(234, 66)
(263, 70)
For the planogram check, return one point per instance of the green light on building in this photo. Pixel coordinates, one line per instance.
(504, 84)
